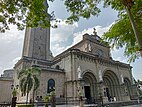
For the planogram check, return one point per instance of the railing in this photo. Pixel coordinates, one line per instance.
(74, 102)
(4, 105)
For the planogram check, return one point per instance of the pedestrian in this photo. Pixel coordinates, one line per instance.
(81, 101)
(36, 101)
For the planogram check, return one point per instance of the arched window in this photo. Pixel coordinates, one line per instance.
(57, 67)
(51, 85)
(99, 52)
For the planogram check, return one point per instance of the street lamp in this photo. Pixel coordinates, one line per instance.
(138, 87)
(52, 94)
(12, 86)
(128, 4)
(14, 93)
(80, 91)
(100, 93)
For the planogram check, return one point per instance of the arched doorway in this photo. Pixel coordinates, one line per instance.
(90, 86)
(111, 85)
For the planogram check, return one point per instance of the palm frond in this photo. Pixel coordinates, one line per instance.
(22, 81)
(28, 79)
(36, 70)
(36, 83)
(30, 84)
(22, 73)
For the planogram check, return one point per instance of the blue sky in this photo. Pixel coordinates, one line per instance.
(63, 37)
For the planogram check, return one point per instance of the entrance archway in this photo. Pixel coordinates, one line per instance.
(90, 86)
(111, 85)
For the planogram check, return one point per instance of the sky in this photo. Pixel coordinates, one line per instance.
(63, 37)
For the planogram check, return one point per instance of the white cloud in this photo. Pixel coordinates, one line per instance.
(62, 32)
(58, 49)
(122, 59)
(61, 36)
(11, 47)
(99, 29)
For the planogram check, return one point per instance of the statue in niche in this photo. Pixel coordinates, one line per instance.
(89, 47)
(122, 79)
(100, 75)
(133, 80)
(79, 73)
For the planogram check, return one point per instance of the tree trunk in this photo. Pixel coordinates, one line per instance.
(136, 32)
(27, 98)
(33, 97)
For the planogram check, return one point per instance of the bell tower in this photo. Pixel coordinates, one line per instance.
(37, 42)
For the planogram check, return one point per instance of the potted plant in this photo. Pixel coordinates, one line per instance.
(46, 100)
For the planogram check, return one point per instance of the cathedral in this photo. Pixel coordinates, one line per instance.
(86, 68)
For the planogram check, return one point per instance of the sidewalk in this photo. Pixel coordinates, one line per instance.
(86, 105)
(140, 105)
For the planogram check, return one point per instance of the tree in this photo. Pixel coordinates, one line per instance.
(14, 92)
(121, 34)
(28, 80)
(30, 13)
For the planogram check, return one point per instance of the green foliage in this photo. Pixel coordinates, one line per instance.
(81, 8)
(28, 80)
(25, 105)
(33, 13)
(52, 94)
(121, 34)
(47, 98)
(14, 92)
(30, 13)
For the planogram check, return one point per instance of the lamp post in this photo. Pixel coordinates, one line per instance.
(138, 87)
(80, 91)
(100, 83)
(14, 94)
(128, 4)
(52, 94)
(100, 93)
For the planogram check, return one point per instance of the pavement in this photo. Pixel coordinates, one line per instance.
(140, 105)
(91, 105)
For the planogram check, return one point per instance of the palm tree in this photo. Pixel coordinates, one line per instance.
(28, 80)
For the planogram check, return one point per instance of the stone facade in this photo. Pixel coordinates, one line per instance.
(86, 68)
(36, 43)
(6, 80)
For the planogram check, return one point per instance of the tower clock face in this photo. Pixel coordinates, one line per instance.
(99, 52)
